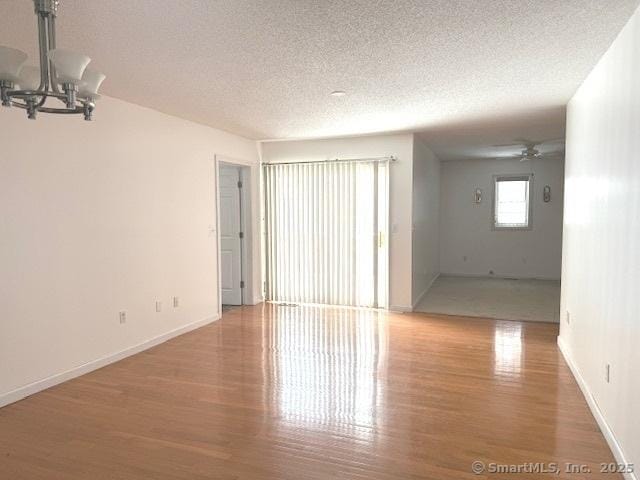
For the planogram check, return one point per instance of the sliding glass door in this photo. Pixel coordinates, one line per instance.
(326, 232)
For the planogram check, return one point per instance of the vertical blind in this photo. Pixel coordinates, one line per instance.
(325, 225)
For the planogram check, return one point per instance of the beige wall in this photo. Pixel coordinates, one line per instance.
(425, 219)
(469, 244)
(101, 217)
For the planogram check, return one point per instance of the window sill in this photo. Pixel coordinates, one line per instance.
(499, 228)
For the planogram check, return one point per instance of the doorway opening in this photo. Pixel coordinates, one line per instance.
(234, 234)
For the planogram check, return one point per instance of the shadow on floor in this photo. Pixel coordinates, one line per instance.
(228, 308)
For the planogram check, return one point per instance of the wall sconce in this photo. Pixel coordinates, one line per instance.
(478, 195)
(546, 194)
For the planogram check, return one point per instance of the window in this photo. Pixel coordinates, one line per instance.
(511, 202)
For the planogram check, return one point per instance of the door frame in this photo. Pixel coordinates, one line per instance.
(384, 228)
(247, 221)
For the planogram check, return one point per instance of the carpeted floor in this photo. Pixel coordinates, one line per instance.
(506, 299)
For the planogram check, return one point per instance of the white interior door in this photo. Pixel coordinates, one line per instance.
(230, 235)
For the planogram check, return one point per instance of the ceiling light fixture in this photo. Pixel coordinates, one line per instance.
(62, 74)
(338, 93)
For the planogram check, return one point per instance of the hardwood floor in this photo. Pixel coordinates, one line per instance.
(301, 393)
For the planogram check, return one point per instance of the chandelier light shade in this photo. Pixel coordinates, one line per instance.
(62, 76)
(69, 65)
(29, 78)
(91, 81)
(11, 62)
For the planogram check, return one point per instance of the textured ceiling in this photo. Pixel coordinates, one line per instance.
(264, 69)
(485, 136)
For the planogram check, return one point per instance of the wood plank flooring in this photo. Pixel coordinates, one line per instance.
(275, 392)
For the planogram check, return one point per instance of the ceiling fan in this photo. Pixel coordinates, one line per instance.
(530, 152)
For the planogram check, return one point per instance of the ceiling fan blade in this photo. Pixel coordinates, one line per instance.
(509, 145)
(552, 140)
(525, 142)
(506, 155)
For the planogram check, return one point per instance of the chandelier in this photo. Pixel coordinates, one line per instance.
(62, 75)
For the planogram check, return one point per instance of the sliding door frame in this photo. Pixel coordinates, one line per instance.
(375, 235)
(381, 239)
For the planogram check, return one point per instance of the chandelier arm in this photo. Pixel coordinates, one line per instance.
(21, 94)
(44, 51)
(52, 45)
(15, 103)
(65, 111)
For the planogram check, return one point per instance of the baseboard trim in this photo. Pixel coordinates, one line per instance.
(38, 386)
(400, 308)
(256, 301)
(595, 410)
(424, 293)
(505, 277)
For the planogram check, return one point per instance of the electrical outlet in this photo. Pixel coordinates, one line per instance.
(607, 373)
(122, 316)
(176, 302)
(158, 306)
(568, 317)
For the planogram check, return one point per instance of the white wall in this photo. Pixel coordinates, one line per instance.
(469, 245)
(601, 259)
(400, 146)
(426, 220)
(101, 217)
